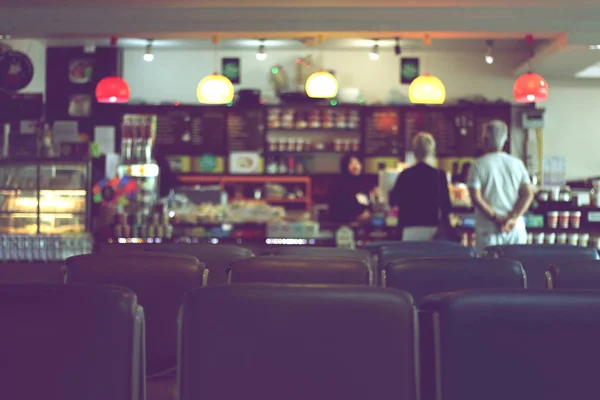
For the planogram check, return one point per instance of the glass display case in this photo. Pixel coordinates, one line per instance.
(45, 196)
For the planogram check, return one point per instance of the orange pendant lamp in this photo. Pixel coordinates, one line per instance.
(530, 87)
(113, 89)
(215, 88)
(426, 88)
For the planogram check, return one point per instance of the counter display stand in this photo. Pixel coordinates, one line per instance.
(45, 208)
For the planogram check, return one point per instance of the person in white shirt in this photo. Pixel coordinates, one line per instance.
(501, 192)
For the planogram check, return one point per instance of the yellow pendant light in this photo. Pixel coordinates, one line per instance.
(322, 84)
(426, 88)
(215, 88)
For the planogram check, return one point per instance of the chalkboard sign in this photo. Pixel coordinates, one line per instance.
(191, 132)
(245, 130)
(439, 123)
(383, 132)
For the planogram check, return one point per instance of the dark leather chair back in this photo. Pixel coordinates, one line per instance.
(32, 272)
(311, 251)
(584, 274)
(216, 258)
(536, 259)
(417, 249)
(498, 345)
(160, 281)
(296, 269)
(70, 342)
(299, 342)
(422, 277)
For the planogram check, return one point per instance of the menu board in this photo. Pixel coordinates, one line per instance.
(185, 132)
(383, 136)
(245, 130)
(439, 123)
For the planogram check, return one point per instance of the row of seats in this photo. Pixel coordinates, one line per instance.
(304, 341)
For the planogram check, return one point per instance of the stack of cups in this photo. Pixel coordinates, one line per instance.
(575, 219)
(584, 239)
(553, 219)
(563, 219)
(551, 238)
(561, 238)
(574, 239)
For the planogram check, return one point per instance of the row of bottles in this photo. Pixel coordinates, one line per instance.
(290, 165)
(140, 225)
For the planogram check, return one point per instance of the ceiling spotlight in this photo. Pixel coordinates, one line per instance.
(374, 54)
(149, 56)
(397, 48)
(489, 56)
(261, 55)
(4, 36)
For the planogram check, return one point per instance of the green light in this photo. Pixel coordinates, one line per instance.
(333, 102)
(274, 70)
(361, 100)
(229, 104)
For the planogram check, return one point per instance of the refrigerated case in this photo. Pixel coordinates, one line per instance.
(45, 196)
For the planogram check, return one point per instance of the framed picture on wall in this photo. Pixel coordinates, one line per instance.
(409, 70)
(231, 69)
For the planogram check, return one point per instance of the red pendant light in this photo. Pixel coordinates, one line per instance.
(112, 89)
(530, 88)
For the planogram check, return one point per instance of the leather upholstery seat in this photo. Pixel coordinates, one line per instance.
(160, 281)
(537, 258)
(296, 342)
(518, 345)
(296, 269)
(583, 274)
(70, 342)
(417, 249)
(425, 276)
(32, 272)
(216, 258)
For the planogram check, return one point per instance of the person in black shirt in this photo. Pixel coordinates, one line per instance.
(349, 194)
(421, 194)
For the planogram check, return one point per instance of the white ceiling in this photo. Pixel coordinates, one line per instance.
(453, 24)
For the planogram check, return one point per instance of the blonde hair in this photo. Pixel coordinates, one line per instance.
(423, 146)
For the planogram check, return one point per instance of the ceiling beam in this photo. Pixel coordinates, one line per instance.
(542, 54)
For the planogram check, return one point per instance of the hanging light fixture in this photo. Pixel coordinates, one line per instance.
(397, 48)
(426, 88)
(149, 55)
(322, 84)
(374, 54)
(530, 87)
(261, 55)
(113, 89)
(489, 56)
(215, 88)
